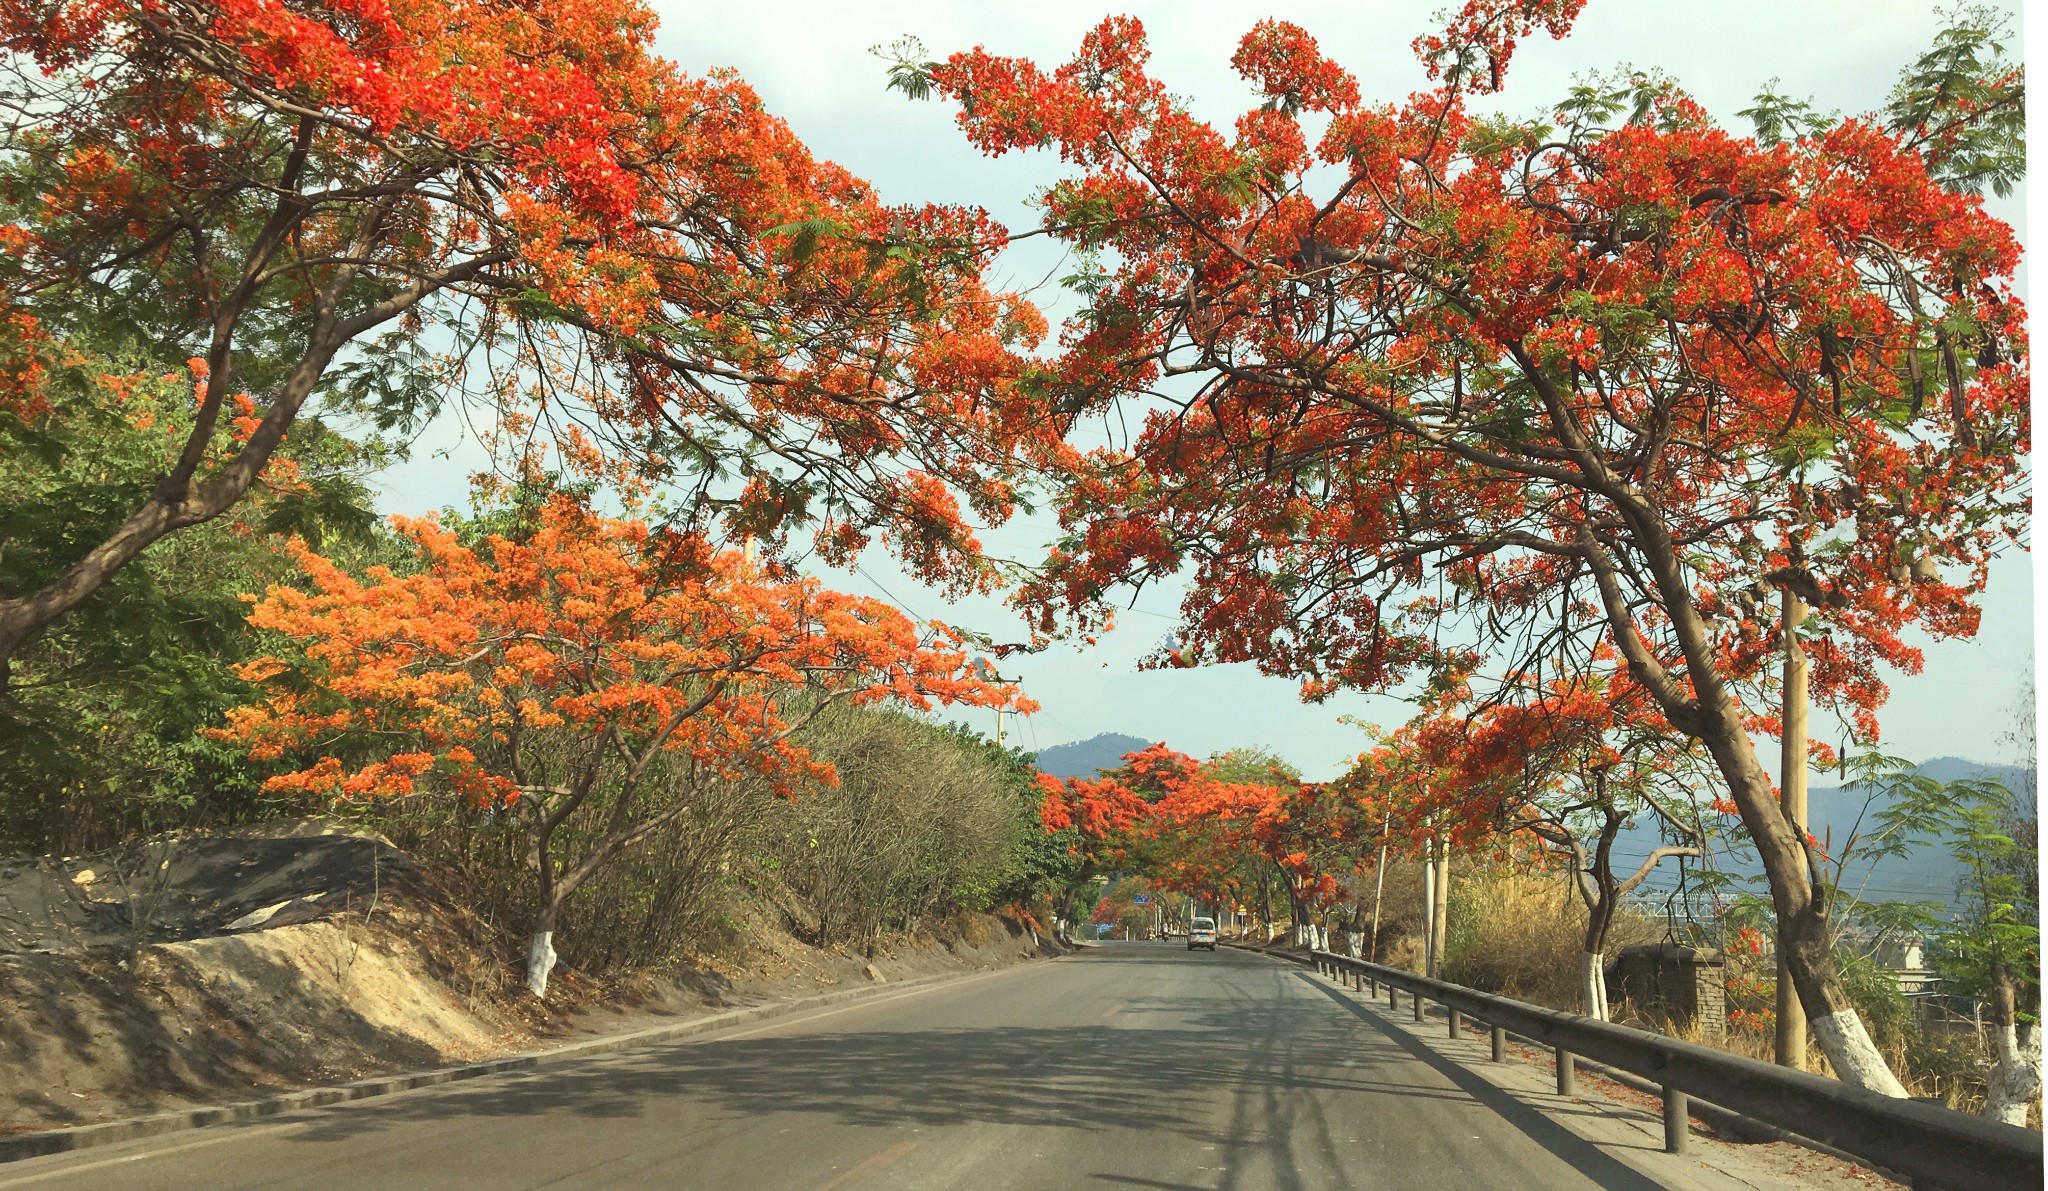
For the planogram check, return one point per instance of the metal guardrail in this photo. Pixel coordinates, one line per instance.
(1937, 1148)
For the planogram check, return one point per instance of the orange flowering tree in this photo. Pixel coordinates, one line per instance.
(1106, 819)
(1208, 832)
(1188, 825)
(308, 197)
(1414, 377)
(587, 673)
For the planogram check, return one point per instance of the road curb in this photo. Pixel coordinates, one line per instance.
(85, 1137)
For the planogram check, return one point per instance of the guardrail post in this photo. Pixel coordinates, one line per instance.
(1500, 1044)
(1417, 998)
(1676, 1132)
(1457, 1026)
(1566, 1085)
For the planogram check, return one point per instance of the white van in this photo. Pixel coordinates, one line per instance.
(1202, 933)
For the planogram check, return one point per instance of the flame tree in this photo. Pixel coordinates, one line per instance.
(1412, 375)
(306, 198)
(588, 672)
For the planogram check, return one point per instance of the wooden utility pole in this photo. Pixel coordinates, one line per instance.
(988, 674)
(1792, 787)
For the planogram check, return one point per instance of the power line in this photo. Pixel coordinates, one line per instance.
(886, 593)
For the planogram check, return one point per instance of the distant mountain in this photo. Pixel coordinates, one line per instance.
(1085, 758)
(1928, 874)
(1950, 769)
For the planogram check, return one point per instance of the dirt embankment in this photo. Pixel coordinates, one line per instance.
(218, 970)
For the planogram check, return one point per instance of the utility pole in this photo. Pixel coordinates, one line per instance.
(988, 674)
(1792, 787)
(1440, 926)
(1429, 906)
(1379, 885)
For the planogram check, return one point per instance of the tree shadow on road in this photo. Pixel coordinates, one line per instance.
(1281, 1064)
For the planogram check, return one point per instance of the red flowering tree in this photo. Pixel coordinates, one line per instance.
(1107, 821)
(1190, 826)
(300, 196)
(588, 674)
(1422, 377)
(1570, 761)
(1207, 833)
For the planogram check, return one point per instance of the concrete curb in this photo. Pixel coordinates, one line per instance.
(84, 1137)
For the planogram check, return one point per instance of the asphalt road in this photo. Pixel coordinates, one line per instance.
(1132, 1066)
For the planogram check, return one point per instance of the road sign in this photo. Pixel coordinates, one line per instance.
(1141, 901)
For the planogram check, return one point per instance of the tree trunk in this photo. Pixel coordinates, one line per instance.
(1593, 958)
(1440, 914)
(540, 952)
(540, 955)
(2015, 1080)
(1710, 714)
(1593, 983)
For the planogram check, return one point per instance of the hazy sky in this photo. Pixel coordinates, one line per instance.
(811, 63)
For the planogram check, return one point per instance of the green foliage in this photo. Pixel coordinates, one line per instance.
(1779, 118)
(100, 727)
(1963, 103)
(1636, 97)
(927, 821)
(1996, 935)
(1255, 765)
(909, 70)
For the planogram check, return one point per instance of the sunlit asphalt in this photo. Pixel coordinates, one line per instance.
(1137, 1065)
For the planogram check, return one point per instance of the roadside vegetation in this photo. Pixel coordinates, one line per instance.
(1496, 904)
(1598, 432)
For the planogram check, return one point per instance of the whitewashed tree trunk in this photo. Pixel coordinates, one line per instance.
(1354, 941)
(540, 960)
(1853, 1055)
(1593, 983)
(2015, 1081)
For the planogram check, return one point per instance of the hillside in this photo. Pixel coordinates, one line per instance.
(1084, 758)
(305, 954)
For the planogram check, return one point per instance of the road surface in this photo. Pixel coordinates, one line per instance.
(1130, 1066)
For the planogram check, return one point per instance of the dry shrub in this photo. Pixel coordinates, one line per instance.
(1400, 905)
(1520, 935)
(920, 825)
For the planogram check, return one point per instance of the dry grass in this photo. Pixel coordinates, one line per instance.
(1520, 935)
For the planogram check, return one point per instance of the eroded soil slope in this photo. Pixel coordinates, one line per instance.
(221, 969)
